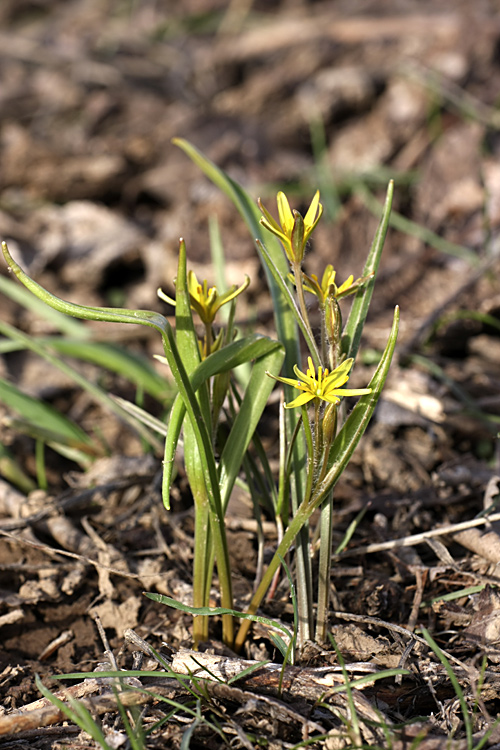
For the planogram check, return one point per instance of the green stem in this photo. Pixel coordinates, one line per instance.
(302, 304)
(324, 567)
(303, 556)
(201, 579)
(296, 524)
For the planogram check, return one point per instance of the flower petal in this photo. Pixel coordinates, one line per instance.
(308, 380)
(161, 294)
(304, 398)
(286, 217)
(288, 381)
(232, 292)
(311, 212)
(338, 376)
(270, 221)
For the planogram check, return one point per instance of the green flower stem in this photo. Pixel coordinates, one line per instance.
(324, 568)
(302, 322)
(296, 269)
(201, 566)
(294, 528)
(310, 451)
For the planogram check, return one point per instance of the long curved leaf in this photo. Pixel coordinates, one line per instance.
(27, 342)
(43, 416)
(359, 310)
(254, 401)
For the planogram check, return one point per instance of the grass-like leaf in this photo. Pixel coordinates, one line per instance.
(456, 685)
(27, 342)
(213, 611)
(72, 328)
(253, 347)
(77, 713)
(354, 327)
(41, 421)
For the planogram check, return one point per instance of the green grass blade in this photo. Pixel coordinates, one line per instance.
(62, 323)
(254, 401)
(95, 391)
(213, 611)
(421, 232)
(131, 366)
(75, 712)
(188, 733)
(141, 415)
(456, 685)
(354, 731)
(52, 424)
(187, 343)
(354, 327)
(10, 470)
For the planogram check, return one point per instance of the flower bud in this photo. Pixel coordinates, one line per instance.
(333, 328)
(329, 425)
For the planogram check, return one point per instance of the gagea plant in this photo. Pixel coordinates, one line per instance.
(318, 435)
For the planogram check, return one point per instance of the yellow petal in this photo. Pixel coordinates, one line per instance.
(285, 213)
(304, 398)
(312, 210)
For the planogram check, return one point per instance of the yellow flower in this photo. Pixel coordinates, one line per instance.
(293, 230)
(204, 300)
(325, 385)
(328, 286)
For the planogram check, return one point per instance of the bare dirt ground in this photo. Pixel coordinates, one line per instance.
(289, 95)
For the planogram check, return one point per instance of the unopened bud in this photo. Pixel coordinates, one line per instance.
(333, 328)
(297, 238)
(329, 425)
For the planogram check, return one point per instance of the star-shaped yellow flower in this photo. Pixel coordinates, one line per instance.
(328, 286)
(293, 230)
(204, 300)
(324, 385)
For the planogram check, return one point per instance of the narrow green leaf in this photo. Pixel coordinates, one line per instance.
(213, 611)
(54, 425)
(359, 310)
(254, 401)
(131, 366)
(420, 231)
(42, 350)
(456, 686)
(73, 328)
(142, 415)
(10, 469)
(75, 712)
